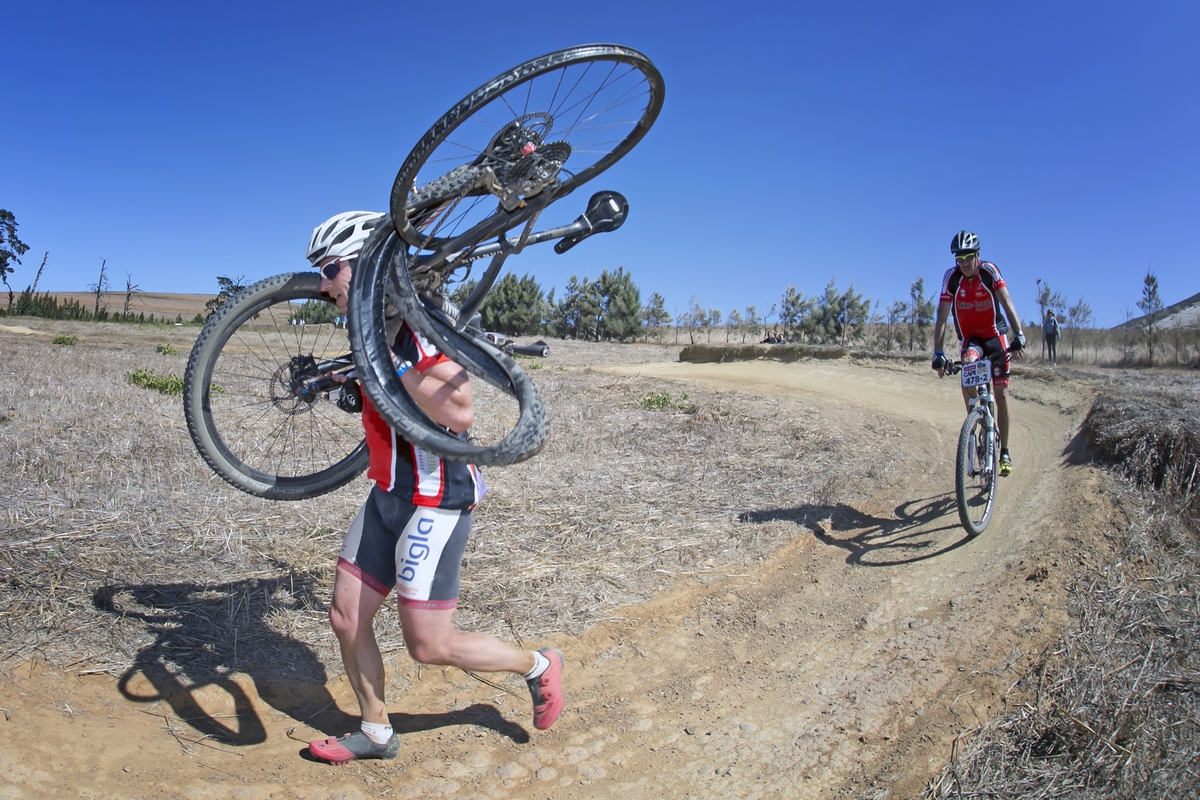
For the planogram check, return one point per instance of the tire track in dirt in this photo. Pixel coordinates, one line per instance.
(847, 663)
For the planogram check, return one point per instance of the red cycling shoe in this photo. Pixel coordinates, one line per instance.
(344, 749)
(547, 691)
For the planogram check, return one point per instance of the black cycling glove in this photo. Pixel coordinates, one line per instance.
(1018, 343)
(940, 362)
(350, 398)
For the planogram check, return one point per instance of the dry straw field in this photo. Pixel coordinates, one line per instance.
(108, 489)
(754, 568)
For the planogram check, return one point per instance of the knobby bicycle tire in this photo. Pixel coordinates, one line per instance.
(244, 420)
(975, 494)
(381, 277)
(534, 133)
(606, 96)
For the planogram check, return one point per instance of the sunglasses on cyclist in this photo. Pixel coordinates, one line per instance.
(962, 257)
(331, 270)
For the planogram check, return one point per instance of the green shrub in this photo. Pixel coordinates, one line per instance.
(657, 401)
(64, 340)
(528, 362)
(662, 401)
(164, 384)
(166, 350)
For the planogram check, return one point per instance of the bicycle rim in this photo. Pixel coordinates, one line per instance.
(379, 280)
(975, 474)
(591, 104)
(242, 414)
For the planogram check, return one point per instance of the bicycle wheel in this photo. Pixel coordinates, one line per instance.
(975, 473)
(374, 287)
(240, 393)
(532, 134)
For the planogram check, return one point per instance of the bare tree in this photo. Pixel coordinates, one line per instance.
(130, 290)
(1126, 329)
(1078, 316)
(897, 312)
(100, 286)
(733, 324)
(714, 319)
(920, 313)
(38, 276)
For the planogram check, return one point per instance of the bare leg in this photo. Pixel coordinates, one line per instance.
(970, 356)
(353, 610)
(1002, 415)
(431, 638)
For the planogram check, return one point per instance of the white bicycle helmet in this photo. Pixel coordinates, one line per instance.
(342, 235)
(964, 242)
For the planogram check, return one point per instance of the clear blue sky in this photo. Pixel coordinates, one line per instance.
(798, 142)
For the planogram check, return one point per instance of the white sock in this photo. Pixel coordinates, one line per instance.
(377, 732)
(540, 663)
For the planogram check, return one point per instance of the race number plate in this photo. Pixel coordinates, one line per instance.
(977, 373)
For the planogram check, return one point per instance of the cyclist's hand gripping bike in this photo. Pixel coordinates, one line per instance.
(260, 397)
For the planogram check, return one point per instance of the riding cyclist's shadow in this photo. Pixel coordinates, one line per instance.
(203, 634)
(911, 534)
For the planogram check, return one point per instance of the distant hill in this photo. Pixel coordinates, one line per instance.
(156, 303)
(1184, 314)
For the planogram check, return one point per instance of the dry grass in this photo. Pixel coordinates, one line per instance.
(120, 551)
(1116, 711)
(1154, 438)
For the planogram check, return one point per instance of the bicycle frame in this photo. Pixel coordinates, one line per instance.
(260, 406)
(983, 398)
(976, 464)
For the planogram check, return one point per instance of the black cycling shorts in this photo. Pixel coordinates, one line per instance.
(416, 549)
(996, 349)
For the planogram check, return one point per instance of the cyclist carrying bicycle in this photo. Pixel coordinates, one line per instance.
(974, 292)
(411, 532)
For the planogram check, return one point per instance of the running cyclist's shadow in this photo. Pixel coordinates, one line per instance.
(203, 634)
(916, 531)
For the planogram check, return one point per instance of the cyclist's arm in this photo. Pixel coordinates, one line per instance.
(1014, 319)
(939, 326)
(444, 393)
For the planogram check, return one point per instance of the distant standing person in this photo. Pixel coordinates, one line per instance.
(411, 532)
(974, 291)
(1050, 332)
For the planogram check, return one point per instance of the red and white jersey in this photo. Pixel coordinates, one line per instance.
(976, 306)
(405, 470)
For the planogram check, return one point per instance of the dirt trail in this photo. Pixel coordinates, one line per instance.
(845, 665)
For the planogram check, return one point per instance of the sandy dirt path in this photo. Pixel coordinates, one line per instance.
(846, 665)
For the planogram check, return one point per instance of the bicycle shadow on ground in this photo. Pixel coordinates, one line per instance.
(205, 633)
(917, 530)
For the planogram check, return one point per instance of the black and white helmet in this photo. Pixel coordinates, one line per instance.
(342, 235)
(964, 242)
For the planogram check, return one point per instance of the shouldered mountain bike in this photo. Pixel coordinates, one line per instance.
(259, 399)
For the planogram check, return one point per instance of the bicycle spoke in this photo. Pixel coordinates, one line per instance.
(242, 402)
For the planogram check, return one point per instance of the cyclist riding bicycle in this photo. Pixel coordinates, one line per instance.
(412, 530)
(975, 293)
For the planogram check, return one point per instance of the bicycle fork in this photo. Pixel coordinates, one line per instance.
(985, 450)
